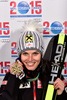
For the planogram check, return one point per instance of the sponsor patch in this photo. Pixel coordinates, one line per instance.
(25, 85)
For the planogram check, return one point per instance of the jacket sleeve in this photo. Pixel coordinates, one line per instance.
(8, 93)
(4, 82)
(63, 96)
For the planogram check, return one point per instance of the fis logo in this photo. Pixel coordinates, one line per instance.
(26, 8)
(4, 67)
(4, 31)
(14, 49)
(54, 28)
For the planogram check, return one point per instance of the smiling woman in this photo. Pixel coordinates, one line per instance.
(31, 59)
(29, 73)
(30, 51)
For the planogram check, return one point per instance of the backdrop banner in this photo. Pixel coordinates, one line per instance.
(13, 13)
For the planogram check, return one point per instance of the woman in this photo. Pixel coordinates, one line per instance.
(30, 73)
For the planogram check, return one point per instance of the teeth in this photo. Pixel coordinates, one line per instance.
(30, 64)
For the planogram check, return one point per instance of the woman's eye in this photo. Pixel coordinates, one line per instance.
(36, 53)
(24, 53)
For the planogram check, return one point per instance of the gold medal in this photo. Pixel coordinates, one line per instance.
(16, 69)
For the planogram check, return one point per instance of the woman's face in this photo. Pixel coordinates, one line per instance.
(31, 59)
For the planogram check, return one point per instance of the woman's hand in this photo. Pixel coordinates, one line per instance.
(59, 86)
(16, 68)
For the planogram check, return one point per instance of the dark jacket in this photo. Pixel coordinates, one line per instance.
(24, 90)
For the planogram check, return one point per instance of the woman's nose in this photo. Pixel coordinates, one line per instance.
(30, 58)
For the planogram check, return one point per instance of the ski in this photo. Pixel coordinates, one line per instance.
(58, 45)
